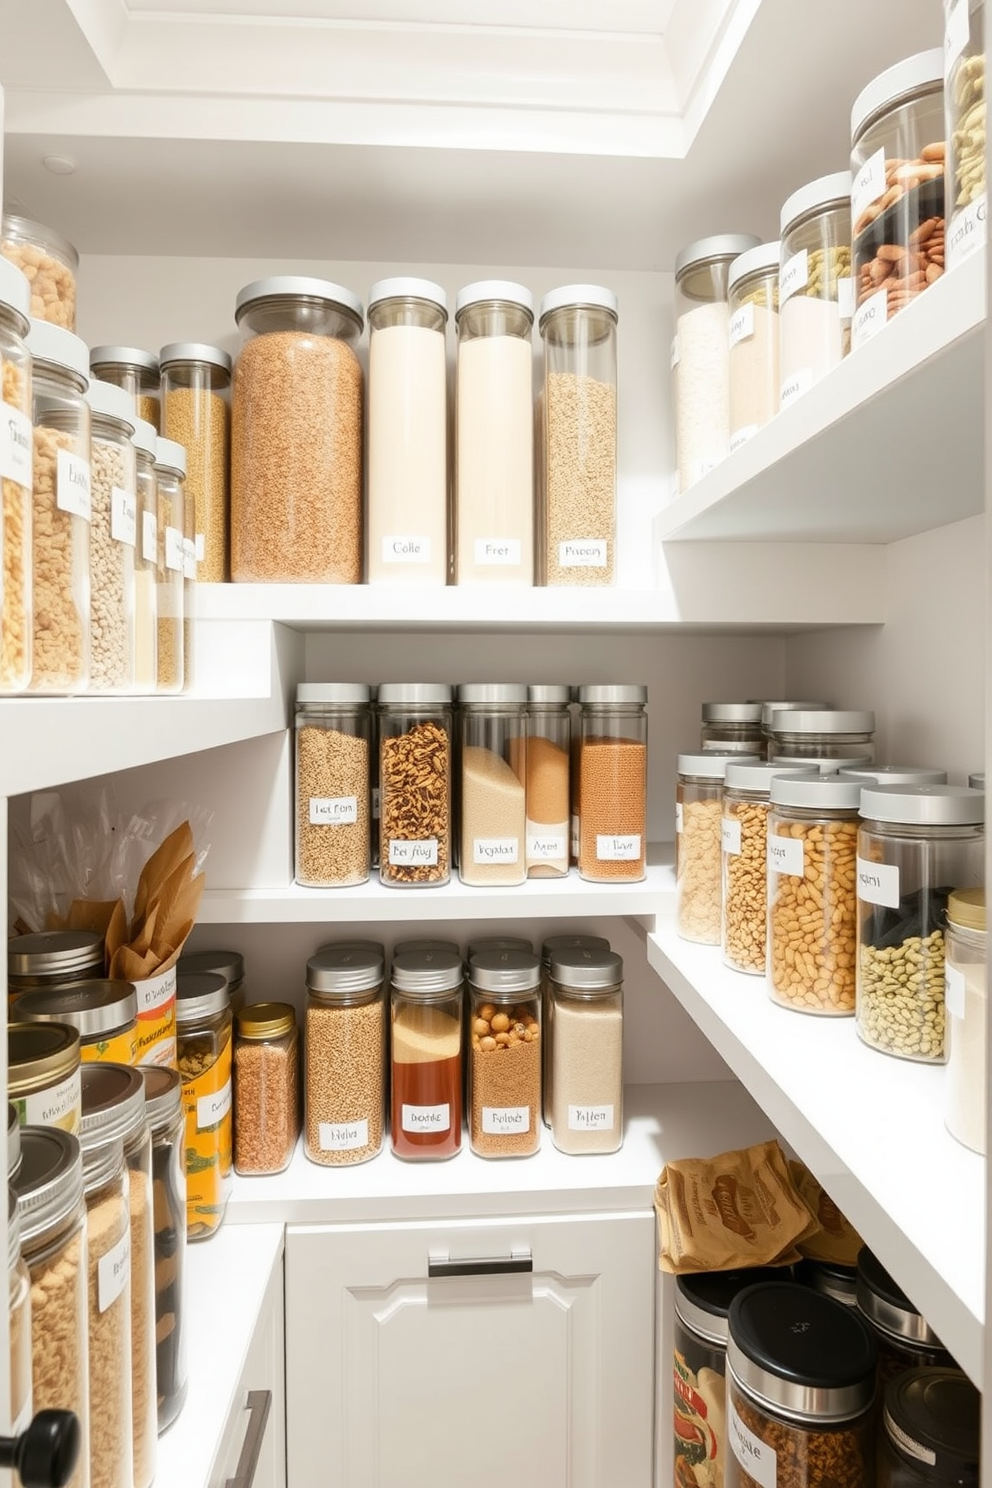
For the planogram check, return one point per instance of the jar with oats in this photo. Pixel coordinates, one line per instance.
(815, 289)
(964, 127)
(19, 1303)
(145, 442)
(60, 521)
(698, 817)
(345, 1054)
(203, 1037)
(135, 371)
(196, 395)
(113, 535)
(167, 1125)
(15, 482)
(414, 784)
(504, 1072)
(266, 1087)
(170, 477)
(108, 1243)
(613, 750)
(333, 728)
(744, 828)
(49, 262)
(296, 434)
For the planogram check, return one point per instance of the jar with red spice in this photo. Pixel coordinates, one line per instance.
(613, 751)
(426, 1054)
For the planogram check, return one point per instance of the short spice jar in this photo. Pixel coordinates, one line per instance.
(167, 1125)
(585, 1025)
(493, 774)
(43, 1074)
(904, 1337)
(51, 958)
(754, 335)
(613, 751)
(744, 858)
(966, 1000)
(546, 796)
(800, 1387)
(15, 482)
(425, 1045)
(504, 1072)
(964, 127)
(698, 836)
(414, 784)
(815, 291)
(731, 728)
(113, 535)
(845, 734)
(196, 382)
(930, 1431)
(266, 1087)
(19, 1314)
(49, 262)
(134, 370)
(105, 1013)
(170, 479)
(145, 442)
(345, 1055)
(333, 744)
(915, 844)
(203, 1037)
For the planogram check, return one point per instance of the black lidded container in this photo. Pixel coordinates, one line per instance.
(931, 1427)
(905, 1338)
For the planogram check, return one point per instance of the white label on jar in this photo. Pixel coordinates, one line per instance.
(583, 552)
(149, 537)
(869, 318)
(201, 546)
(497, 552)
(406, 550)
(878, 883)
(506, 1120)
(211, 1109)
(59, 1105)
(909, 1443)
(953, 990)
(413, 854)
(155, 992)
(794, 275)
(495, 849)
(676, 355)
(123, 517)
(375, 803)
(868, 184)
(741, 436)
(702, 467)
(189, 558)
(957, 33)
(15, 446)
(174, 549)
(72, 485)
(113, 1271)
(436, 1119)
(546, 849)
(967, 233)
(613, 849)
(785, 855)
(333, 811)
(757, 1459)
(742, 324)
(575, 836)
(590, 1118)
(343, 1136)
(845, 297)
(678, 817)
(730, 834)
(793, 387)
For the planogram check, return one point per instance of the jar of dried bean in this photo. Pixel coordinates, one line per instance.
(698, 834)
(731, 728)
(915, 844)
(108, 1244)
(845, 734)
(549, 729)
(266, 1087)
(15, 482)
(333, 729)
(19, 1314)
(613, 751)
(113, 535)
(49, 263)
(105, 1013)
(744, 829)
(167, 1125)
(170, 479)
(60, 522)
(50, 958)
(426, 1055)
(930, 1432)
(754, 364)
(904, 1337)
(578, 505)
(145, 442)
(203, 1035)
(228, 964)
(897, 195)
(345, 1054)
(296, 434)
(769, 709)
(830, 1278)
(815, 289)
(585, 1026)
(415, 783)
(493, 774)
(504, 1073)
(134, 370)
(800, 1387)
(43, 1074)
(966, 997)
(196, 394)
(964, 124)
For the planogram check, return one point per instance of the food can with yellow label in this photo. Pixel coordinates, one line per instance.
(203, 1033)
(43, 1074)
(104, 1012)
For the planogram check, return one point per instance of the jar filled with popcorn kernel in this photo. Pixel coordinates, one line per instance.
(15, 482)
(170, 476)
(266, 1087)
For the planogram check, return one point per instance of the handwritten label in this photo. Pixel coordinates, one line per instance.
(60, 1105)
(406, 549)
(730, 834)
(742, 324)
(72, 485)
(785, 855)
(967, 233)
(333, 811)
(953, 990)
(211, 1109)
(868, 184)
(794, 386)
(546, 849)
(15, 446)
(757, 1459)
(590, 1118)
(149, 537)
(413, 854)
(506, 1120)
(113, 1271)
(583, 552)
(342, 1136)
(174, 554)
(869, 318)
(741, 436)
(794, 276)
(435, 1119)
(878, 883)
(495, 849)
(123, 517)
(613, 849)
(497, 552)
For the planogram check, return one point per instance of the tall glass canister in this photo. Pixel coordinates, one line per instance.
(816, 291)
(549, 728)
(135, 371)
(170, 475)
(966, 997)
(332, 783)
(145, 442)
(345, 1056)
(113, 535)
(190, 542)
(613, 783)
(15, 481)
(504, 1072)
(698, 833)
(754, 359)
(964, 127)
(196, 395)
(426, 1054)
(493, 765)
(585, 1022)
(414, 783)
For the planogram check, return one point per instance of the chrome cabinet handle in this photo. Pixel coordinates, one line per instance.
(521, 1261)
(259, 1403)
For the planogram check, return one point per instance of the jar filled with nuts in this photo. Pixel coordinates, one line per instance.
(904, 1338)
(964, 112)
(49, 262)
(731, 728)
(698, 835)
(504, 1073)
(844, 734)
(203, 1036)
(15, 482)
(815, 291)
(196, 383)
(415, 784)
(426, 1055)
(167, 1125)
(135, 371)
(333, 728)
(897, 193)
(266, 1087)
(585, 1025)
(113, 536)
(916, 844)
(931, 1431)
(19, 1303)
(145, 442)
(345, 1053)
(170, 478)
(754, 365)
(612, 764)
(744, 835)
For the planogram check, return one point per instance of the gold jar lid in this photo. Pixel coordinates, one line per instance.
(966, 907)
(39, 1054)
(264, 1020)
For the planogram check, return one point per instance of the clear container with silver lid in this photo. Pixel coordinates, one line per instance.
(145, 442)
(415, 783)
(135, 371)
(893, 774)
(333, 744)
(104, 1012)
(904, 1337)
(585, 1025)
(196, 383)
(204, 1051)
(549, 948)
(754, 351)
(821, 766)
(828, 733)
(49, 262)
(228, 964)
(345, 1055)
(19, 1314)
(426, 1054)
(816, 291)
(549, 730)
(53, 957)
(113, 536)
(492, 782)
(15, 481)
(744, 854)
(612, 763)
(43, 1074)
(170, 480)
(504, 1072)
(167, 1125)
(698, 832)
(266, 1087)
(732, 728)
(769, 709)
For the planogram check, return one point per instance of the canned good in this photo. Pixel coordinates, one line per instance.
(493, 774)
(266, 1087)
(203, 1037)
(15, 481)
(585, 1026)
(43, 1074)
(105, 1013)
(426, 1055)
(136, 372)
(904, 1337)
(931, 1430)
(333, 740)
(415, 783)
(167, 1125)
(816, 291)
(196, 382)
(49, 262)
(754, 360)
(966, 999)
(345, 1052)
(53, 958)
(504, 1072)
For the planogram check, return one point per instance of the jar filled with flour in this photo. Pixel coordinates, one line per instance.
(816, 291)
(493, 783)
(754, 364)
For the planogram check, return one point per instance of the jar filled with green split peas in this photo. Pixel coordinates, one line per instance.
(203, 1036)
(549, 728)
(904, 1337)
(493, 774)
(426, 1028)
(585, 1023)
(731, 728)
(613, 749)
(167, 1125)
(845, 734)
(345, 1055)
(105, 1187)
(815, 291)
(266, 1087)
(504, 1072)
(964, 127)
(698, 834)
(50, 958)
(134, 370)
(744, 853)
(415, 775)
(228, 964)
(333, 742)
(19, 1305)
(105, 1013)
(113, 535)
(930, 1431)
(966, 998)
(43, 1074)
(15, 481)
(196, 413)
(754, 341)
(145, 442)
(170, 476)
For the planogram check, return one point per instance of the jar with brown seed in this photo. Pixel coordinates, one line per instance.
(504, 1072)
(167, 1125)
(296, 434)
(698, 816)
(170, 478)
(266, 1087)
(345, 1052)
(965, 127)
(415, 784)
(113, 535)
(196, 396)
(333, 729)
(15, 482)
(49, 263)
(19, 1303)
(613, 753)
(145, 442)
(744, 828)
(134, 370)
(109, 1269)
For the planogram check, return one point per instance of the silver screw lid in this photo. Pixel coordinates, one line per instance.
(338, 971)
(755, 777)
(194, 351)
(555, 943)
(49, 1182)
(13, 1141)
(923, 805)
(199, 994)
(586, 970)
(477, 693)
(486, 943)
(549, 693)
(769, 709)
(894, 774)
(815, 791)
(731, 713)
(424, 943)
(127, 356)
(94, 1007)
(712, 765)
(414, 694)
(612, 692)
(100, 1163)
(163, 1095)
(54, 951)
(228, 964)
(113, 1103)
(427, 972)
(721, 247)
(507, 971)
(823, 721)
(332, 692)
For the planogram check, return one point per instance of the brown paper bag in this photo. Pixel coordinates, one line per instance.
(835, 1240)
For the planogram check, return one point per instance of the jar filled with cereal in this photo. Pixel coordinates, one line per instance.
(170, 478)
(744, 835)
(15, 482)
(964, 122)
(345, 1054)
(113, 536)
(415, 784)
(698, 834)
(504, 1073)
(815, 288)
(333, 738)
(135, 371)
(266, 1087)
(203, 1036)
(49, 263)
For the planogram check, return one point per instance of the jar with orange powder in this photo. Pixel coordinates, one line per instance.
(613, 751)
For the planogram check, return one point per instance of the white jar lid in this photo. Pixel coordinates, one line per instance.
(492, 692)
(713, 765)
(410, 289)
(170, 456)
(896, 82)
(126, 356)
(754, 776)
(852, 764)
(15, 292)
(414, 694)
(924, 805)
(731, 713)
(769, 708)
(600, 693)
(593, 295)
(823, 721)
(60, 348)
(283, 286)
(194, 351)
(713, 250)
(332, 692)
(798, 789)
(754, 261)
(494, 289)
(895, 774)
(825, 191)
(110, 401)
(145, 438)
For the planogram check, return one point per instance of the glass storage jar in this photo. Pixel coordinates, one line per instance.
(815, 288)
(113, 534)
(167, 1125)
(345, 1052)
(266, 1087)
(19, 1314)
(731, 728)
(50, 958)
(915, 844)
(408, 433)
(333, 740)
(585, 1026)
(414, 783)
(196, 395)
(145, 442)
(698, 833)
(897, 193)
(105, 1014)
(550, 948)
(43, 1074)
(930, 1431)
(170, 479)
(812, 907)
(830, 1278)
(134, 370)
(60, 517)
(49, 263)
(904, 1337)
(493, 774)
(866, 775)
(966, 997)
(375, 813)
(769, 709)
(203, 1036)
(13, 1142)
(964, 127)
(578, 481)
(486, 943)
(494, 435)
(701, 353)
(744, 859)
(423, 943)
(49, 1187)
(754, 365)
(613, 748)
(800, 1387)
(296, 434)
(845, 734)
(504, 1072)
(190, 521)
(15, 482)
(546, 794)
(108, 1241)
(426, 1055)
(228, 964)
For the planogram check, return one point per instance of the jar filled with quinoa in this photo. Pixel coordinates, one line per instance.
(196, 396)
(170, 477)
(345, 1039)
(333, 728)
(15, 482)
(266, 1087)
(613, 750)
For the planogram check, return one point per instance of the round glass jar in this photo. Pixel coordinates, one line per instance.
(266, 1087)
(113, 536)
(408, 434)
(49, 263)
(966, 999)
(578, 422)
(170, 479)
(426, 1055)
(769, 709)
(494, 435)
(196, 397)
(585, 1025)
(701, 353)
(744, 860)
(867, 775)
(203, 1038)
(15, 482)
(43, 1074)
(228, 964)
(333, 741)
(732, 728)
(915, 844)
(845, 734)
(414, 783)
(812, 906)
(754, 364)
(493, 773)
(134, 370)
(549, 729)
(897, 193)
(504, 1072)
(613, 752)
(698, 835)
(108, 1241)
(964, 127)
(145, 442)
(830, 1278)
(19, 1314)
(345, 1052)
(930, 1432)
(60, 516)
(105, 1013)
(815, 290)
(51, 958)
(904, 1337)
(167, 1125)
(190, 540)
(296, 434)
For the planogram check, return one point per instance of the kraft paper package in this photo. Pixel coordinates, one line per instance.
(835, 1240)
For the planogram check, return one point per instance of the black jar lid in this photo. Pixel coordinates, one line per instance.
(799, 1354)
(703, 1299)
(932, 1417)
(886, 1306)
(830, 1278)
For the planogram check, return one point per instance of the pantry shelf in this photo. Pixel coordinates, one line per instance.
(871, 1128)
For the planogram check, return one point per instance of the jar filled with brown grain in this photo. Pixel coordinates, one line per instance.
(345, 1053)
(108, 1243)
(19, 1314)
(196, 395)
(549, 730)
(333, 740)
(585, 1026)
(167, 1125)
(266, 1087)
(426, 1055)
(613, 752)
(228, 964)
(930, 1434)
(134, 370)
(731, 728)
(170, 478)
(145, 442)
(43, 1074)
(15, 482)
(50, 958)
(904, 1338)
(104, 1012)
(744, 857)
(113, 535)
(492, 782)
(48, 262)
(504, 1072)
(415, 784)
(296, 434)
(698, 835)
(845, 734)
(203, 1037)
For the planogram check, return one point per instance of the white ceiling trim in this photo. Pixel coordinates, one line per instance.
(649, 17)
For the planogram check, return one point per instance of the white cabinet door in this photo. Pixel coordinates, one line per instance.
(403, 1374)
(260, 1411)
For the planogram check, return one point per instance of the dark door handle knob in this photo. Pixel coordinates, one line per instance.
(43, 1456)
